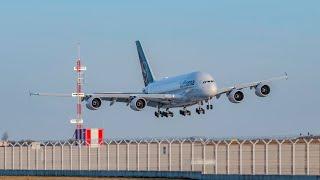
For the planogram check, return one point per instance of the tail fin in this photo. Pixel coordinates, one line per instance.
(145, 68)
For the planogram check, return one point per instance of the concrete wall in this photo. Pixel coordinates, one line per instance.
(285, 157)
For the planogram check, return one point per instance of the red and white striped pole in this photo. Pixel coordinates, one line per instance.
(79, 94)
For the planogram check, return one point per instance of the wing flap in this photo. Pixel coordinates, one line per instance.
(127, 97)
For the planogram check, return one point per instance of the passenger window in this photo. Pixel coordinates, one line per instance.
(211, 81)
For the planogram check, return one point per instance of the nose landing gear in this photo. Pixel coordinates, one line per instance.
(209, 105)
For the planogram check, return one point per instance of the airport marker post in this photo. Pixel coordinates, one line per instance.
(79, 94)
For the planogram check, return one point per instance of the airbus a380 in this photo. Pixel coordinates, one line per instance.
(196, 88)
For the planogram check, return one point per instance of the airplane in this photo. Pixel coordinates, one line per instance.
(183, 91)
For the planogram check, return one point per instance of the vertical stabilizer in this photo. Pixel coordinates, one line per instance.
(145, 68)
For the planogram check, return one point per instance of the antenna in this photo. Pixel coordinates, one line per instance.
(79, 94)
(79, 52)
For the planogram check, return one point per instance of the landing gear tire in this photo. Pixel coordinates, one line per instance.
(182, 112)
(163, 113)
(168, 113)
(200, 110)
(185, 112)
(209, 106)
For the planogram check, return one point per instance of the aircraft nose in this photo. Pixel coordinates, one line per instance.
(211, 90)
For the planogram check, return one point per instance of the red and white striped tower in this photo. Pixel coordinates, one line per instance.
(79, 94)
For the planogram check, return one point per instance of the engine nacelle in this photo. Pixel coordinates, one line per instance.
(138, 104)
(94, 103)
(263, 90)
(235, 96)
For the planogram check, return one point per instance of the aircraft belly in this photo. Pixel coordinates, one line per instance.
(189, 97)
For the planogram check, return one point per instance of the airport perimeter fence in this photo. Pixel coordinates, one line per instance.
(149, 174)
(292, 156)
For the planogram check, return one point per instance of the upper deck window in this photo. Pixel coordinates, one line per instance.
(210, 81)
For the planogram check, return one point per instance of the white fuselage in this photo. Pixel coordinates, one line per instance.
(188, 89)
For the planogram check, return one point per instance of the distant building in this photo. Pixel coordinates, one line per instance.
(4, 143)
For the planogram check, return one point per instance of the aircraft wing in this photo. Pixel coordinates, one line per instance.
(50, 94)
(249, 85)
(126, 97)
(114, 96)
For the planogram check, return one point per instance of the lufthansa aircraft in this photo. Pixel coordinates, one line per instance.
(182, 91)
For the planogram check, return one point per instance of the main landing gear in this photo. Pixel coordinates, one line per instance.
(185, 112)
(166, 113)
(200, 110)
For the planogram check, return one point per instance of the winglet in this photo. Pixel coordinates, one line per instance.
(33, 94)
(286, 75)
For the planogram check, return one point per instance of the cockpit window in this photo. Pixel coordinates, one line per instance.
(210, 81)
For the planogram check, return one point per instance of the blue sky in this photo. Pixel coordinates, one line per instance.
(235, 41)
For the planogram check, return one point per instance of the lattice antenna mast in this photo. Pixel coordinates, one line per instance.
(79, 93)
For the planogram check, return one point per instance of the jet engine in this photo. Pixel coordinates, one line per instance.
(94, 103)
(235, 96)
(263, 90)
(138, 104)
